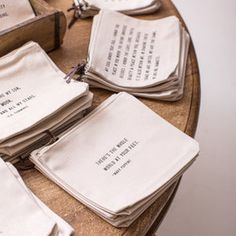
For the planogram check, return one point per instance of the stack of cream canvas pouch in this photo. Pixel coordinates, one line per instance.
(36, 102)
(21, 212)
(85, 8)
(14, 12)
(144, 58)
(119, 159)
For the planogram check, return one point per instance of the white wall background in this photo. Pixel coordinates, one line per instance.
(205, 203)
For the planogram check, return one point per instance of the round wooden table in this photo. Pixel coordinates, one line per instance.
(182, 114)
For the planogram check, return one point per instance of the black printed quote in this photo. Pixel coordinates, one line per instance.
(131, 54)
(118, 157)
(9, 106)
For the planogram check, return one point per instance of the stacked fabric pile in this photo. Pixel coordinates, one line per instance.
(144, 58)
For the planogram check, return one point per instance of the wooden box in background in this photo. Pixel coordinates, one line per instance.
(47, 28)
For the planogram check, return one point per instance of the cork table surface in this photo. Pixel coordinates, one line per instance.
(182, 114)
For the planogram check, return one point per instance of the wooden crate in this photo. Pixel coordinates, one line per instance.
(47, 28)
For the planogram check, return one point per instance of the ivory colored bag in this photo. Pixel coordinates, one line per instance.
(119, 159)
(129, 7)
(14, 12)
(144, 58)
(36, 101)
(22, 213)
(62, 228)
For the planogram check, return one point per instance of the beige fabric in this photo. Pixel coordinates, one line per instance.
(62, 228)
(34, 98)
(119, 5)
(131, 7)
(19, 214)
(14, 12)
(119, 159)
(144, 58)
(23, 140)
